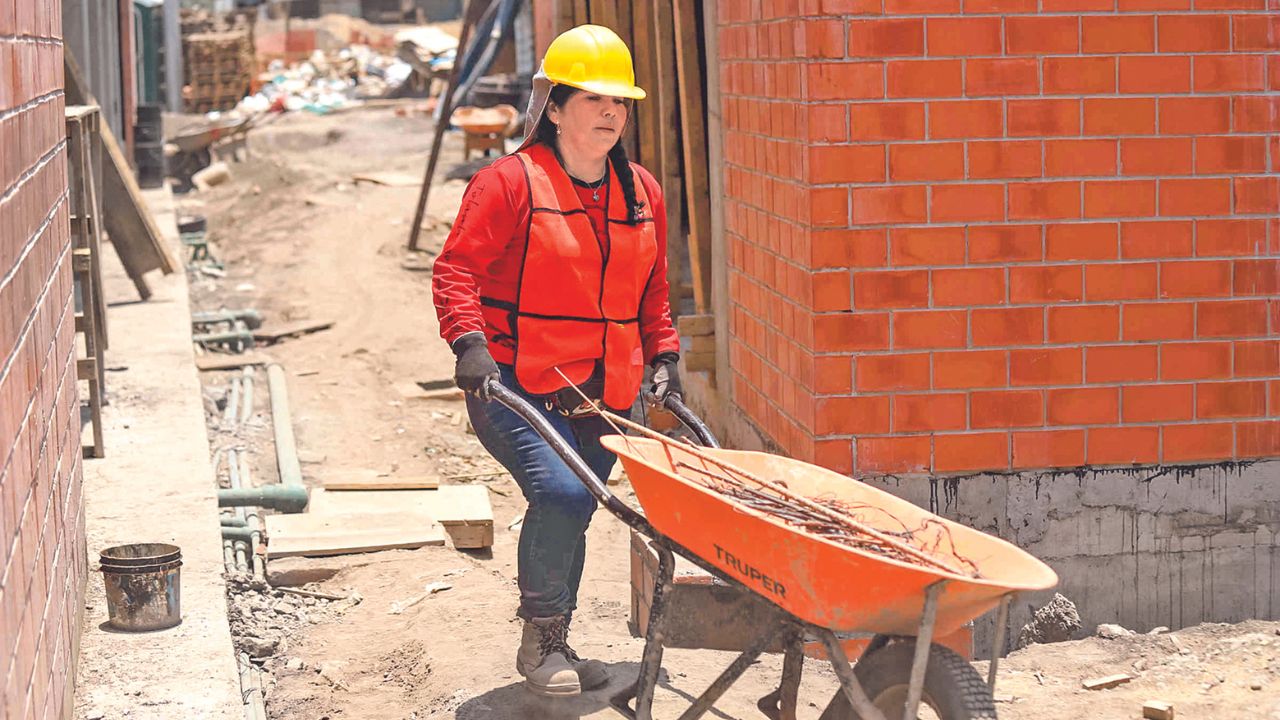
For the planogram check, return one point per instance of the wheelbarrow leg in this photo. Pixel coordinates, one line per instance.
(781, 703)
(730, 675)
(997, 645)
(924, 639)
(651, 660)
(848, 681)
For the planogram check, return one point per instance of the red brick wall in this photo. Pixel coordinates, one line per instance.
(42, 544)
(968, 235)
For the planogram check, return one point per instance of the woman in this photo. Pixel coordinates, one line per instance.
(553, 281)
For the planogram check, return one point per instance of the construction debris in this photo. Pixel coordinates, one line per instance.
(1157, 710)
(1111, 631)
(1107, 682)
(1055, 622)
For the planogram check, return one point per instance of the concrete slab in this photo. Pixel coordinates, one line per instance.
(156, 484)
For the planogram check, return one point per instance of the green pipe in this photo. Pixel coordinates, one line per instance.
(234, 533)
(232, 521)
(285, 498)
(286, 447)
(251, 317)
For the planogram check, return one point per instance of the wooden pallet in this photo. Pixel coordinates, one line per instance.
(83, 127)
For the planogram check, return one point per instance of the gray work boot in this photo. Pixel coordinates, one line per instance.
(544, 658)
(592, 674)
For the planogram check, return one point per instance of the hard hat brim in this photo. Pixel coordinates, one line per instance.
(622, 90)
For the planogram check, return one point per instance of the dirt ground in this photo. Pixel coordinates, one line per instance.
(301, 240)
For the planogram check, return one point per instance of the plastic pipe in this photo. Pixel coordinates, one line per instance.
(282, 424)
(285, 498)
(246, 396)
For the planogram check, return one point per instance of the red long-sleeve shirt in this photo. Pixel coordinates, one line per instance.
(481, 257)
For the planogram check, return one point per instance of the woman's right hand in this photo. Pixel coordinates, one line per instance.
(475, 365)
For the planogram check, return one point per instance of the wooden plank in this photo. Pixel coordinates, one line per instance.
(389, 179)
(580, 14)
(669, 143)
(463, 510)
(230, 362)
(1104, 683)
(1157, 710)
(694, 136)
(129, 223)
(272, 333)
(373, 480)
(697, 325)
(313, 535)
(605, 12)
(644, 56)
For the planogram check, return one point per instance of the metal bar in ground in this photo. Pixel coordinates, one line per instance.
(997, 645)
(731, 674)
(848, 681)
(924, 639)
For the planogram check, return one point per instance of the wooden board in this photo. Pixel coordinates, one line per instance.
(230, 362)
(126, 218)
(645, 58)
(694, 143)
(312, 534)
(271, 333)
(390, 179)
(373, 480)
(691, 325)
(463, 510)
(669, 140)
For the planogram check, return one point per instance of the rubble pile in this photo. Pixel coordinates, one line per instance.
(327, 81)
(263, 617)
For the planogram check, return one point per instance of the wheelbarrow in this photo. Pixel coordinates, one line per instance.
(821, 589)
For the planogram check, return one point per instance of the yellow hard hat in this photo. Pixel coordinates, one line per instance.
(592, 58)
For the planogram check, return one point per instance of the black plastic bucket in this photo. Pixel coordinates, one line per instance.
(151, 162)
(143, 582)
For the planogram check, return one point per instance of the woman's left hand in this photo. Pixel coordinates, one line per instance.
(666, 379)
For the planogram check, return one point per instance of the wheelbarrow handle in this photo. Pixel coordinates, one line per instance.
(518, 405)
(682, 412)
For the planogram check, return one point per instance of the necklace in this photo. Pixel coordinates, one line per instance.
(595, 190)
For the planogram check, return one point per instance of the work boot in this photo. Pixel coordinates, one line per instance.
(543, 658)
(592, 674)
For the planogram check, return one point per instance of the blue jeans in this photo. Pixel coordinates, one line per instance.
(553, 541)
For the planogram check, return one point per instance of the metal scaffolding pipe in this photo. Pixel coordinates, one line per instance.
(282, 424)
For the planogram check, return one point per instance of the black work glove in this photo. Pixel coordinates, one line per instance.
(666, 379)
(475, 365)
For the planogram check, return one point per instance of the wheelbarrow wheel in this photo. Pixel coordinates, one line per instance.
(953, 690)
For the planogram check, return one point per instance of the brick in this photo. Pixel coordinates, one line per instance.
(1083, 323)
(893, 454)
(929, 412)
(1159, 321)
(1121, 363)
(1124, 446)
(1083, 406)
(1075, 158)
(968, 286)
(1004, 243)
(1158, 239)
(827, 123)
(965, 119)
(927, 246)
(970, 369)
(845, 81)
(1195, 197)
(1048, 449)
(1229, 73)
(1194, 115)
(1082, 241)
(963, 36)
(886, 37)
(1080, 75)
(820, 38)
(1044, 118)
(999, 6)
(1045, 366)
(1186, 443)
(1257, 359)
(1119, 116)
(1156, 403)
(1155, 74)
(1111, 34)
(1042, 35)
(1045, 284)
(852, 415)
(1231, 399)
(834, 455)
(1004, 159)
(1156, 156)
(847, 248)
(891, 289)
(1120, 281)
(1053, 6)
(924, 79)
(1257, 195)
(832, 291)
(1195, 361)
(930, 329)
(1230, 155)
(879, 205)
(1001, 76)
(877, 373)
(846, 331)
(1006, 409)
(1044, 200)
(833, 374)
(921, 7)
(926, 161)
(966, 203)
(1255, 113)
(971, 452)
(998, 327)
(846, 163)
(1195, 278)
(1252, 33)
(1231, 318)
(1257, 439)
(1193, 33)
(829, 206)
(888, 121)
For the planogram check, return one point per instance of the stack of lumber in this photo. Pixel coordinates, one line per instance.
(219, 67)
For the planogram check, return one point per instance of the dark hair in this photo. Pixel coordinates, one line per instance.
(546, 134)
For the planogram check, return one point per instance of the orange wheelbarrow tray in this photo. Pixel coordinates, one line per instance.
(821, 589)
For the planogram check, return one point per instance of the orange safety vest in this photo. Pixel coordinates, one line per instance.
(578, 301)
